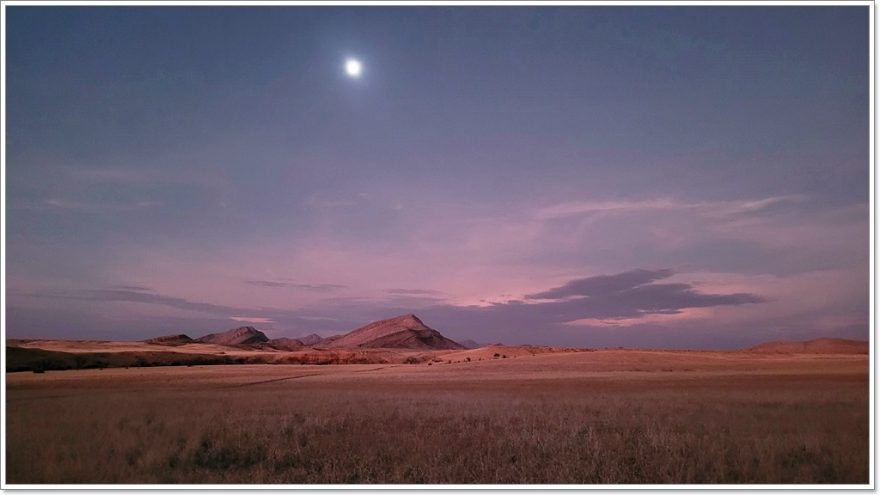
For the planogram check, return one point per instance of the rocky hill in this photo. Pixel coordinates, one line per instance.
(310, 339)
(402, 332)
(236, 336)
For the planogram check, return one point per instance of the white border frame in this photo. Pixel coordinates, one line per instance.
(507, 3)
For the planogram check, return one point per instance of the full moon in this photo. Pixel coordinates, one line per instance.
(353, 67)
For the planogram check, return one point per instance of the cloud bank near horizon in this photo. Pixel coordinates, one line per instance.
(623, 296)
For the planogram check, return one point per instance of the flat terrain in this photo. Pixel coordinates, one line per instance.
(569, 417)
(45, 355)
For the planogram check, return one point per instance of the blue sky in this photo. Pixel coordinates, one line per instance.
(702, 170)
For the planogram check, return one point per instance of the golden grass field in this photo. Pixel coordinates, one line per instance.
(570, 417)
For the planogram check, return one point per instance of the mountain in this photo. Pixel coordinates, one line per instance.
(403, 332)
(310, 339)
(285, 344)
(815, 346)
(470, 344)
(326, 341)
(236, 336)
(178, 339)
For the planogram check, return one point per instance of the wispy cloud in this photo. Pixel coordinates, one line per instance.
(709, 208)
(132, 287)
(414, 292)
(138, 296)
(252, 319)
(140, 176)
(332, 201)
(303, 319)
(92, 205)
(116, 175)
(291, 285)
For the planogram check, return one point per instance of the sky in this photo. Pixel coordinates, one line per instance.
(592, 176)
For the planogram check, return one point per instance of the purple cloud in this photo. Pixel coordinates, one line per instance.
(603, 284)
(630, 295)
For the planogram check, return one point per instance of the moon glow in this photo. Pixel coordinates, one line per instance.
(353, 68)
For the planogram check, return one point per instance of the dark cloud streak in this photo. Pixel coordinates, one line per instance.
(132, 287)
(603, 284)
(286, 318)
(138, 296)
(290, 285)
(413, 292)
(626, 295)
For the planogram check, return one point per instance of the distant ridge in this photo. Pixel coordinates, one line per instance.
(310, 339)
(403, 332)
(328, 340)
(284, 344)
(178, 339)
(815, 346)
(236, 336)
(470, 344)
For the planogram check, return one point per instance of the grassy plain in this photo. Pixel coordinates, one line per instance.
(586, 417)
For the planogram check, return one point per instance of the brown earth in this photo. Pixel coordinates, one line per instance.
(43, 355)
(608, 416)
(816, 346)
(179, 339)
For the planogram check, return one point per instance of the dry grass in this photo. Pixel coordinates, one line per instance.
(601, 417)
(45, 355)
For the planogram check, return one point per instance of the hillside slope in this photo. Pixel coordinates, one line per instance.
(402, 332)
(236, 336)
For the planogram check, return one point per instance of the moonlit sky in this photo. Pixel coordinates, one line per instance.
(590, 176)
